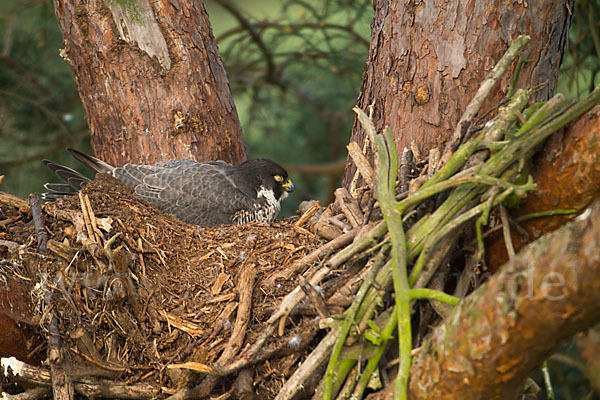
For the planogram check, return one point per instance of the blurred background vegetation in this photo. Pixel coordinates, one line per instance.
(295, 68)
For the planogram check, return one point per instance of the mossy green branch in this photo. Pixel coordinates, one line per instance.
(483, 220)
(425, 293)
(432, 190)
(527, 143)
(350, 316)
(373, 362)
(388, 169)
(541, 114)
(549, 213)
(513, 83)
(457, 223)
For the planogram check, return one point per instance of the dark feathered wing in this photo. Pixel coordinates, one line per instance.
(198, 193)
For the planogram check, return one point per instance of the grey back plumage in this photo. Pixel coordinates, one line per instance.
(198, 193)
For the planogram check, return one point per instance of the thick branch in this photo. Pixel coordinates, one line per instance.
(491, 342)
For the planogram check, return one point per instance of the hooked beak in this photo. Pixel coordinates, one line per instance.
(288, 186)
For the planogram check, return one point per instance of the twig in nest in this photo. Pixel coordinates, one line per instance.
(367, 124)
(315, 297)
(362, 164)
(186, 326)
(305, 217)
(97, 232)
(12, 246)
(89, 387)
(38, 222)
(337, 222)
(14, 201)
(309, 366)
(294, 343)
(368, 240)
(87, 213)
(310, 258)
(30, 394)
(96, 363)
(62, 385)
(243, 385)
(245, 285)
(510, 249)
(349, 207)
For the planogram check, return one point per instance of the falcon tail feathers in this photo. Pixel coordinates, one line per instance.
(60, 188)
(93, 163)
(74, 181)
(58, 191)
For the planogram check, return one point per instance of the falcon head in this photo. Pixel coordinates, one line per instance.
(268, 177)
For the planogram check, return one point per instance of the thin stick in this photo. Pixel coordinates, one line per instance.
(425, 293)
(308, 366)
(310, 258)
(38, 222)
(361, 162)
(86, 219)
(62, 385)
(510, 248)
(245, 284)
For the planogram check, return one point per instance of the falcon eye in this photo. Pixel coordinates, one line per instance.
(278, 178)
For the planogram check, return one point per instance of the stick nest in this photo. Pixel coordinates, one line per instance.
(136, 291)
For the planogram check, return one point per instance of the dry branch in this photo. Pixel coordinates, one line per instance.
(40, 230)
(89, 387)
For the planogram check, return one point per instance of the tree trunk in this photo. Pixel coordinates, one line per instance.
(427, 58)
(151, 80)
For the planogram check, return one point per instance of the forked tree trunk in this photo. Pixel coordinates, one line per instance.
(151, 80)
(427, 58)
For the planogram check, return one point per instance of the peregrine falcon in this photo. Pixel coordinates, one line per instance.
(202, 193)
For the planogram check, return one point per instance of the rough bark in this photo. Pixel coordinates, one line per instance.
(589, 346)
(151, 80)
(426, 59)
(567, 173)
(18, 337)
(490, 342)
